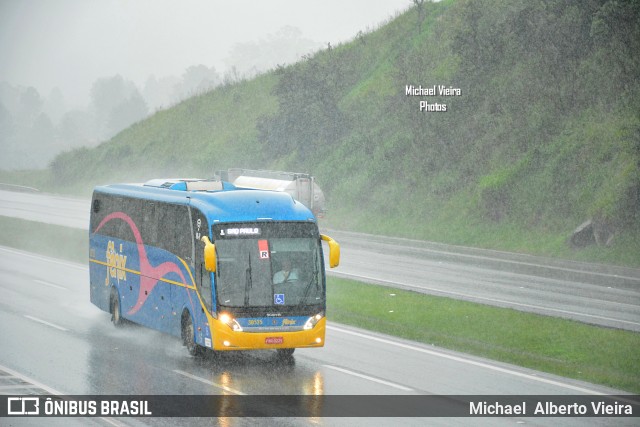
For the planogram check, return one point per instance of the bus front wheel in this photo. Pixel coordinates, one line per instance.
(116, 316)
(189, 336)
(285, 353)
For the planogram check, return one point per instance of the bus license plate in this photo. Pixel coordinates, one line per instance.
(274, 340)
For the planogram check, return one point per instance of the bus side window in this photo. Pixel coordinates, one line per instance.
(173, 229)
(183, 233)
(150, 224)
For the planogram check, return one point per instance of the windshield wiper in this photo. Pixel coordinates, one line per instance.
(247, 283)
(314, 278)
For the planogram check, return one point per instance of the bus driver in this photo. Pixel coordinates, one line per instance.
(287, 273)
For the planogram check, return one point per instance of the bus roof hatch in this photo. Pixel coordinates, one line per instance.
(186, 184)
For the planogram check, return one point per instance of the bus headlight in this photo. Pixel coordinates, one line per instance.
(230, 322)
(311, 322)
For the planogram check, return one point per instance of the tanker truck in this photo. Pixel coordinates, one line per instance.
(301, 186)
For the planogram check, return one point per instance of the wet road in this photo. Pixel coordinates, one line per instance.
(42, 207)
(597, 294)
(52, 335)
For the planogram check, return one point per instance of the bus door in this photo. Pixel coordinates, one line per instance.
(203, 278)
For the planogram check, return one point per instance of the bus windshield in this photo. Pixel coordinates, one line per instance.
(276, 265)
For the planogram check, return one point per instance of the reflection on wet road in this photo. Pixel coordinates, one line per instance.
(52, 334)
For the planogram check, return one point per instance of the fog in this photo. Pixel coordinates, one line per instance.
(70, 43)
(74, 73)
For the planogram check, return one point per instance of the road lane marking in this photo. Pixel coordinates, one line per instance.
(17, 387)
(476, 297)
(44, 322)
(366, 377)
(44, 258)
(366, 237)
(401, 285)
(31, 381)
(467, 361)
(52, 285)
(205, 381)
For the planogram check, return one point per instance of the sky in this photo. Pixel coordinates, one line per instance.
(70, 43)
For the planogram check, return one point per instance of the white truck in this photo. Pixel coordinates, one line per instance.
(301, 186)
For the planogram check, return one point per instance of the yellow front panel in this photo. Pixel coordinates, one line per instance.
(265, 340)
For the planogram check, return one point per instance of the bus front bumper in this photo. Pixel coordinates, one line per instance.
(226, 339)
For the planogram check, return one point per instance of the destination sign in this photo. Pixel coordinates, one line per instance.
(245, 231)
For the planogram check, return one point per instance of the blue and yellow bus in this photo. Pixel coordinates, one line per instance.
(221, 267)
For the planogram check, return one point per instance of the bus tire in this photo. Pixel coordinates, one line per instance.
(284, 353)
(189, 336)
(116, 313)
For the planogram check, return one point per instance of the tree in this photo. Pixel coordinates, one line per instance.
(616, 31)
(54, 105)
(286, 46)
(6, 124)
(420, 7)
(130, 111)
(195, 80)
(309, 116)
(6, 137)
(158, 92)
(107, 94)
(75, 129)
(30, 105)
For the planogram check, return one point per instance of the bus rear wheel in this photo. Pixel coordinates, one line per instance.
(189, 337)
(116, 316)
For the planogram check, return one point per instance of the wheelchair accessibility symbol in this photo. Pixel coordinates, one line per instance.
(278, 299)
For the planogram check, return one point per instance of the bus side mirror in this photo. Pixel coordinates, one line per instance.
(334, 251)
(210, 259)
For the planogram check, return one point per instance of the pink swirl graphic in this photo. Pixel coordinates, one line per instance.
(149, 275)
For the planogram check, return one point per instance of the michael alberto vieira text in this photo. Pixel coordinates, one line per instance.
(550, 408)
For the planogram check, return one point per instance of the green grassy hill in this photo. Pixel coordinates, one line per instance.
(545, 133)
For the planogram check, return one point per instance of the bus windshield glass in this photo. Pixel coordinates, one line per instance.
(275, 265)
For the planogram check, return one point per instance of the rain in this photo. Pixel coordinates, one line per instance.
(319, 213)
